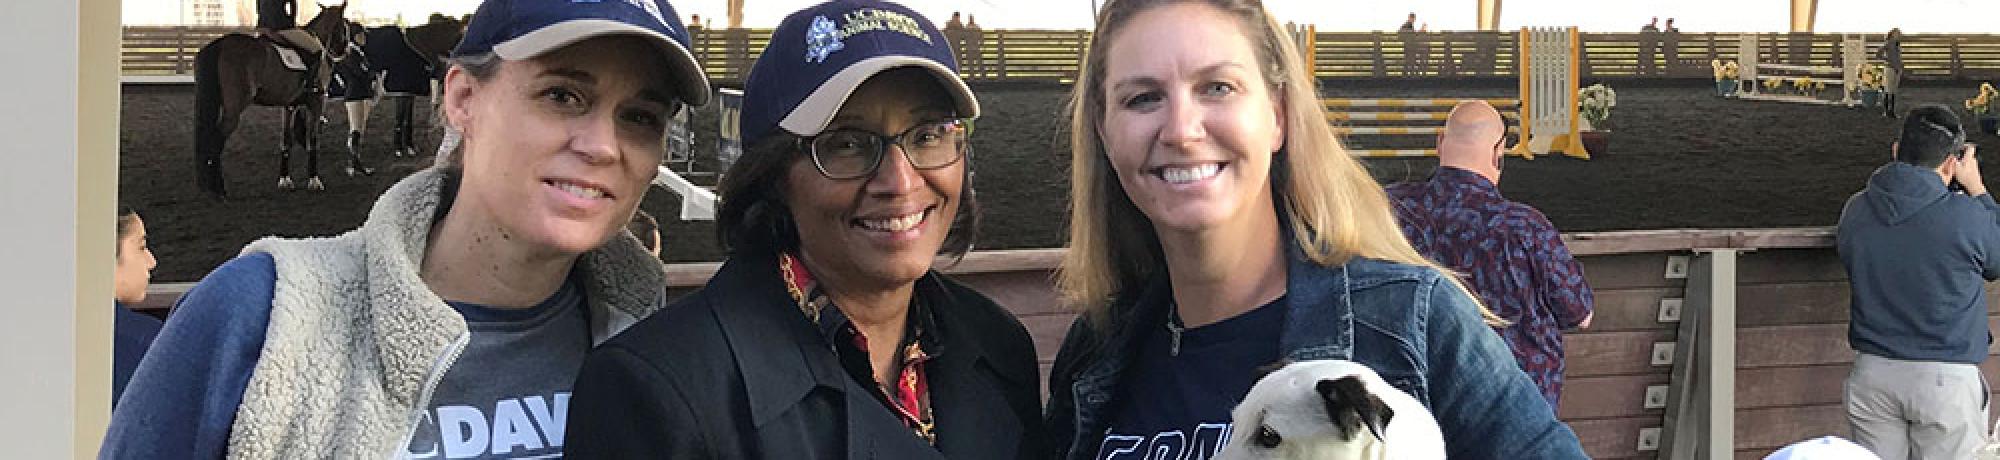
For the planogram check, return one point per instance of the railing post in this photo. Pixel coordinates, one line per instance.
(180, 51)
(735, 49)
(1712, 54)
(1583, 56)
(701, 42)
(1449, 67)
(1380, 67)
(1000, 46)
(1957, 62)
(1700, 419)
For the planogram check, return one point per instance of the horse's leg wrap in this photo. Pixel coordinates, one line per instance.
(285, 150)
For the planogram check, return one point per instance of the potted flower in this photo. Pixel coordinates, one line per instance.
(1805, 86)
(1594, 105)
(1774, 84)
(1726, 76)
(1983, 105)
(1871, 85)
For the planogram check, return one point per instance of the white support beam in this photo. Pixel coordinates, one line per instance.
(59, 236)
(697, 203)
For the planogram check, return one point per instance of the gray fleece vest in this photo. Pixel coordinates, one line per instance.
(357, 342)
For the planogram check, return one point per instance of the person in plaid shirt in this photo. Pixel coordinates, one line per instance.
(1513, 258)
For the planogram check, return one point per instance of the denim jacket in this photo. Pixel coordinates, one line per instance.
(1406, 322)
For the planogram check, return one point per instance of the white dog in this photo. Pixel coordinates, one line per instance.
(1330, 409)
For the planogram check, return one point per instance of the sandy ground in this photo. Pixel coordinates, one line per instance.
(1679, 158)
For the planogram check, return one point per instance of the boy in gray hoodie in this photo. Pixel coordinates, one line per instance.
(1918, 252)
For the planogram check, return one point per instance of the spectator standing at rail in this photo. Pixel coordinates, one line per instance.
(1670, 46)
(1891, 54)
(1408, 34)
(1649, 42)
(1423, 49)
(954, 33)
(975, 43)
(1513, 256)
(1918, 255)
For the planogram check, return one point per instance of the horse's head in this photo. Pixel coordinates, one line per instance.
(436, 37)
(332, 29)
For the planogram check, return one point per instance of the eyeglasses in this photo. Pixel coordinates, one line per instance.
(844, 154)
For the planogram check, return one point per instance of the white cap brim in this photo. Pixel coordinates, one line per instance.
(693, 82)
(817, 110)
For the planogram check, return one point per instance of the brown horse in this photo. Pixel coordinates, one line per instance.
(236, 71)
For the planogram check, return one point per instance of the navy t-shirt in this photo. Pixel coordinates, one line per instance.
(1178, 406)
(507, 394)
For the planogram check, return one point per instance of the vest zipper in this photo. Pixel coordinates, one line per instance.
(431, 379)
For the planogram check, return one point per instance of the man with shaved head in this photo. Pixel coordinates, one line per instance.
(1512, 256)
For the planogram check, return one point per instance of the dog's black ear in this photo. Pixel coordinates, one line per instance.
(1351, 407)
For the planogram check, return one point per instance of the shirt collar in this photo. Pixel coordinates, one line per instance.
(1463, 180)
(812, 301)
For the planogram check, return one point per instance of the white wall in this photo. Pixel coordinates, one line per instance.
(59, 139)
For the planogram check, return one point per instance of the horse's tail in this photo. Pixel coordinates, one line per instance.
(208, 136)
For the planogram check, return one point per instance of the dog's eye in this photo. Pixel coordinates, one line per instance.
(1267, 438)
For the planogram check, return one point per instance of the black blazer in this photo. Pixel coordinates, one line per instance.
(734, 370)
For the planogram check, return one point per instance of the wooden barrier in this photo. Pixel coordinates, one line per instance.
(1379, 118)
(1788, 334)
(1546, 108)
(1052, 55)
(1550, 76)
(154, 51)
(1755, 69)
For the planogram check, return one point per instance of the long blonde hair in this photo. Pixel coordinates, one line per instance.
(1337, 210)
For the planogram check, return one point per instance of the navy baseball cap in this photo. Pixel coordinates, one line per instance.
(820, 55)
(519, 30)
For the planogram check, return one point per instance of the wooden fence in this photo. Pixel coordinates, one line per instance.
(1629, 371)
(154, 51)
(1051, 55)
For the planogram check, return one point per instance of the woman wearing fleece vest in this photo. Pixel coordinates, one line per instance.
(453, 321)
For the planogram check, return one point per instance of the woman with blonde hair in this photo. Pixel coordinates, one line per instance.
(1218, 226)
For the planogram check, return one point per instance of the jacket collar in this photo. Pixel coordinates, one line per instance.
(780, 354)
(783, 357)
(414, 327)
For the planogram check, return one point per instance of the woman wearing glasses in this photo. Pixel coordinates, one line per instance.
(827, 334)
